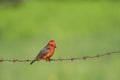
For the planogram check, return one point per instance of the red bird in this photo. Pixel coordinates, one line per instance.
(46, 52)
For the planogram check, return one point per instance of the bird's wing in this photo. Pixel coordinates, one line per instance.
(43, 52)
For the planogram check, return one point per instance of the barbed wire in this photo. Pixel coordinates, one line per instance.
(63, 59)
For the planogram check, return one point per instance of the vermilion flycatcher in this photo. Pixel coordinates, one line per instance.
(46, 52)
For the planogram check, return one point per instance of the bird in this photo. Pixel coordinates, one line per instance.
(46, 52)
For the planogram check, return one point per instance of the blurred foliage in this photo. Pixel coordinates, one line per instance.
(79, 28)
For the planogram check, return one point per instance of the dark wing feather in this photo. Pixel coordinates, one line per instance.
(43, 52)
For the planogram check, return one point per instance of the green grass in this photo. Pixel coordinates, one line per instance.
(79, 29)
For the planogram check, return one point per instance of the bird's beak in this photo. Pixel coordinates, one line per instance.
(55, 47)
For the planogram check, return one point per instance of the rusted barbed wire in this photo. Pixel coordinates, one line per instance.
(63, 59)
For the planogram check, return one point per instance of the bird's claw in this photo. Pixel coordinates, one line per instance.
(48, 59)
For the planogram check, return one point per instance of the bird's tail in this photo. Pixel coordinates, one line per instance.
(33, 61)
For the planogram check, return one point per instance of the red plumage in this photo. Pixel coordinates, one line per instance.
(46, 52)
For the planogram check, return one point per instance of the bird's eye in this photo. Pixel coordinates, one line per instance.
(51, 44)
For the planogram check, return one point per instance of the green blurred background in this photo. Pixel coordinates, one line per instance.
(79, 28)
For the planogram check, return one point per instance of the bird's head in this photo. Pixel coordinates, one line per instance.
(52, 43)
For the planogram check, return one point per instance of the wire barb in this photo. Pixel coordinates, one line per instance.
(62, 59)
